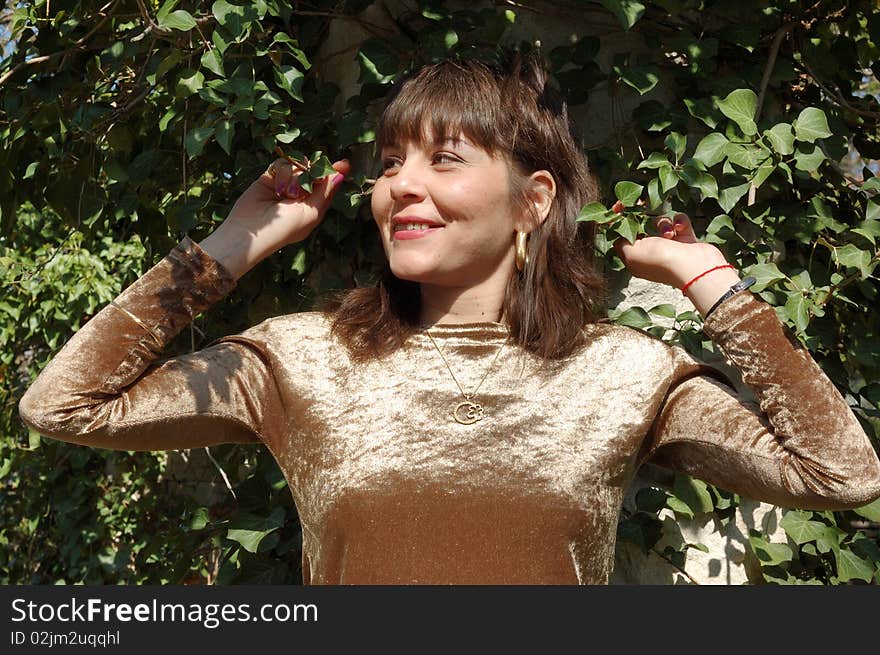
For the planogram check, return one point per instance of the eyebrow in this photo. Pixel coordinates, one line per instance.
(438, 142)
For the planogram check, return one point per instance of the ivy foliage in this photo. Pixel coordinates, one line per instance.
(128, 124)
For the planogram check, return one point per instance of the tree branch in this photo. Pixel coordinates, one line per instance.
(765, 82)
(771, 62)
(28, 62)
(836, 96)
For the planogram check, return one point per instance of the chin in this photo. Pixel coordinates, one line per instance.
(413, 266)
(411, 274)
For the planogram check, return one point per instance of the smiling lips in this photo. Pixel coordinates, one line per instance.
(406, 227)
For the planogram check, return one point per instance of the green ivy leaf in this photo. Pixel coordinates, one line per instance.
(213, 61)
(765, 275)
(249, 530)
(166, 8)
(871, 185)
(676, 143)
(654, 160)
(870, 229)
(699, 179)
(799, 526)
(666, 310)
(830, 540)
(195, 140)
(711, 149)
(852, 567)
(721, 229)
(746, 156)
(728, 197)
(199, 519)
(703, 111)
(626, 11)
(811, 124)
(852, 257)
(808, 158)
(290, 79)
(797, 308)
(219, 42)
(594, 212)
(679, 507)
(769, 554)
(628, 228)
(293, 46)
(740, 106)
(628, 192)
(655, 200)
(234, 18)
(764, 170)
(225, 132)
(378, 64)
(668, 178)
(635, 317)
(641, 78)
(694, 493)
(190, 84)
(780, 138)
(870, 511)
(178, 20)
(299, 262)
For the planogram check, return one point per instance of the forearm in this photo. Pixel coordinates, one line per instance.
(802, 447)
(236, 248)
(92, 381)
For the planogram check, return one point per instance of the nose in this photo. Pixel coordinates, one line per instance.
(408, 183)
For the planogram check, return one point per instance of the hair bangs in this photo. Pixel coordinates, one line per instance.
(445, 103)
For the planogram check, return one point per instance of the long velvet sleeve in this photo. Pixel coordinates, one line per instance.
(802, 447)
(105, 387)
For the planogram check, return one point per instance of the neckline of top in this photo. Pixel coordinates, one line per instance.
(486, 329)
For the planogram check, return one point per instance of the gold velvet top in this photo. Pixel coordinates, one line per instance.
(390, 489)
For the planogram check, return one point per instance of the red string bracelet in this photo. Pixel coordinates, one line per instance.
(714, 268)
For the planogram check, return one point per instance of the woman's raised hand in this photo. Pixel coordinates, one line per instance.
(678, 257)
(273, 212)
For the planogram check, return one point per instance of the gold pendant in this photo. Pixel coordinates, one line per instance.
(474, 412)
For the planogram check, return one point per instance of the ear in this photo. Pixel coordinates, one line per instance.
(541, 193)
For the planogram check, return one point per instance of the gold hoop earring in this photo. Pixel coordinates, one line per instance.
(522, 256)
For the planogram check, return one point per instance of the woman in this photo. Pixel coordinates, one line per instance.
(469, 419)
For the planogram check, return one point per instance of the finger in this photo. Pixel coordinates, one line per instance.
(666, 226)
(324, 189)
(278, 176)
(622, 247)
(684, 230)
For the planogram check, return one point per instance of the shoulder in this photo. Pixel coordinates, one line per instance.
(642, 350)
(299, 331)
(622, 336)
(306, 324)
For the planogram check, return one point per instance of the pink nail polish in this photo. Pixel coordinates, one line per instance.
(294, 189)
(337, 179)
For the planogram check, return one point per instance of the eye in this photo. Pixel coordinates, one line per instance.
(390, 163)
(445, 158)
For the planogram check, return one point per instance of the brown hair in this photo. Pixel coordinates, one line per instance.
(506, 108)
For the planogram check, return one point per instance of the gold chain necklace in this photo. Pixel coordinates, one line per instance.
(467, 411)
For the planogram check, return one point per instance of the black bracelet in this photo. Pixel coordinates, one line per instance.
(736, 288)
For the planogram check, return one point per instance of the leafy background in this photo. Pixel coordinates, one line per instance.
(127, 124)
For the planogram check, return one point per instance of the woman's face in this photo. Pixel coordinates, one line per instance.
(464, 196)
